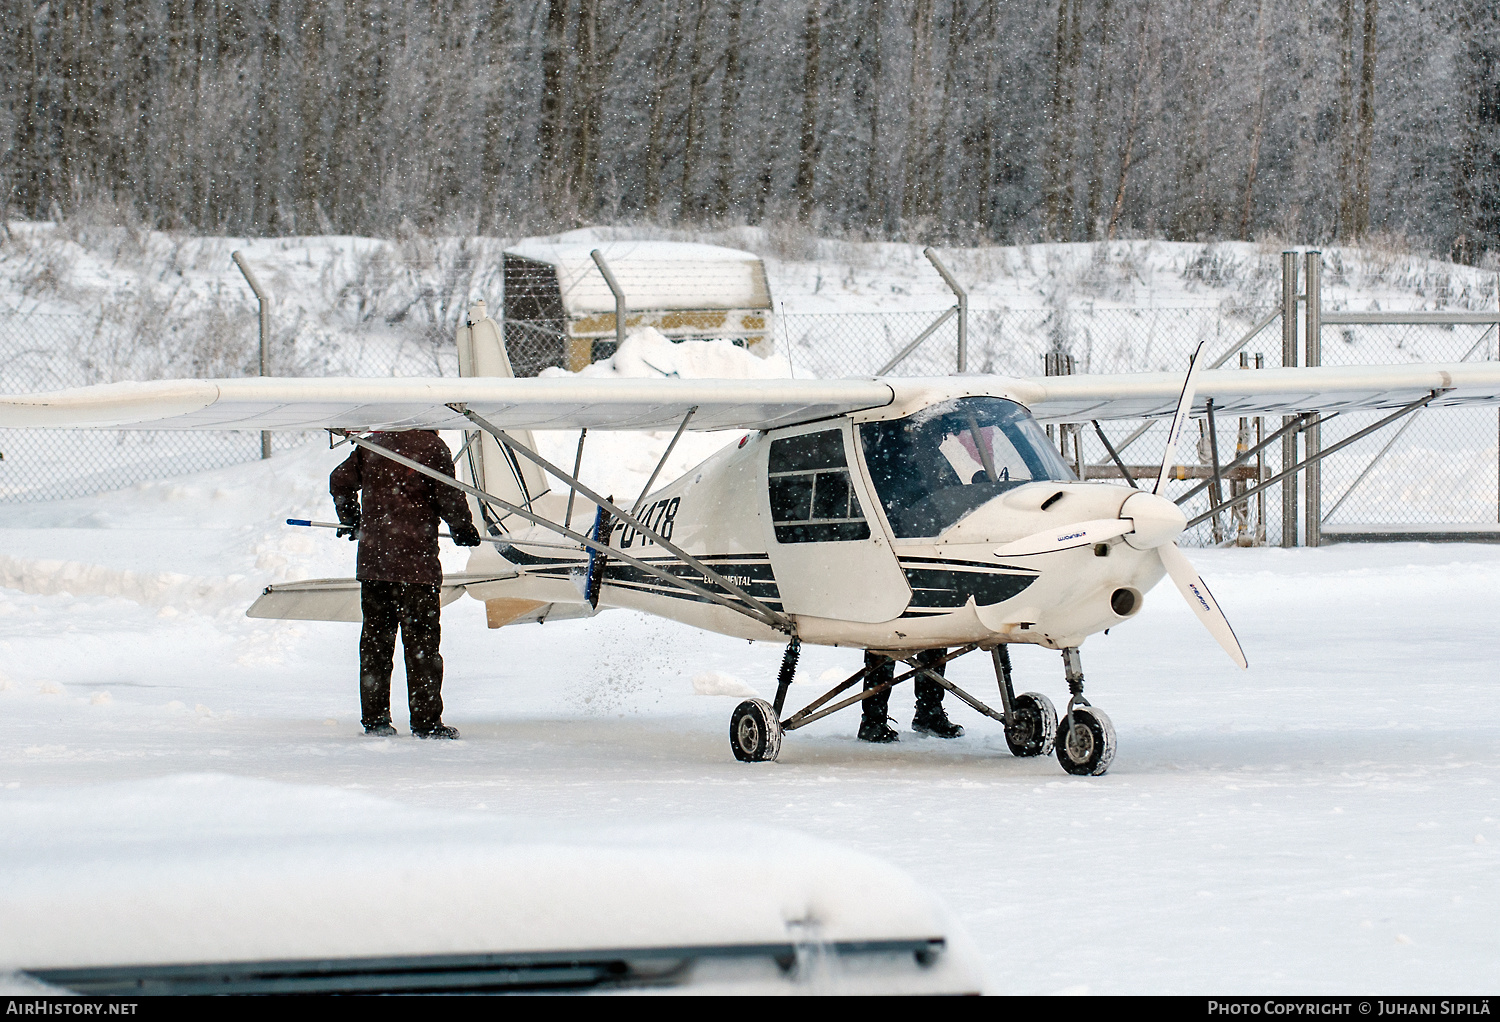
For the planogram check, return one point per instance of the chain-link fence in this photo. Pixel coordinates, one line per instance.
(42, 351)
(1434, 471)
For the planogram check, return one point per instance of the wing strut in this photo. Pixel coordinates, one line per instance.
(664, 456)
(775, 619)
(1252, 491)
(757, 610)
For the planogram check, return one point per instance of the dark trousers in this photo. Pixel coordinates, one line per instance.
(882, 670)
(415, 609)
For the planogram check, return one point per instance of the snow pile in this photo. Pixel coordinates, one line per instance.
(647, 353)
(213, 867)
(621, 462)
(155, 589)
(718, 683)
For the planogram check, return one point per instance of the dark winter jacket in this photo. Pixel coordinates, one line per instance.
(397, 508)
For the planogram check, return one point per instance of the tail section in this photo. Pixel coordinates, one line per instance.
(484, 462)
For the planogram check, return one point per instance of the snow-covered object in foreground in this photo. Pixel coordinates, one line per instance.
(340, 890)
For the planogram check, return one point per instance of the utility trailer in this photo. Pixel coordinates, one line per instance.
(562, 310)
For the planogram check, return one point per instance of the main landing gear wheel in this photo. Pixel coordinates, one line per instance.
(1033, 726)
(1088, 747)
(754, 732)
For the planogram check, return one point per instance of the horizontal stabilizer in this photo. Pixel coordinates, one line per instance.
(337, 599)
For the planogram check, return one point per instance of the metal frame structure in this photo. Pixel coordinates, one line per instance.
(622, 309)
(741, 603)
(264, 301)
(960, 309)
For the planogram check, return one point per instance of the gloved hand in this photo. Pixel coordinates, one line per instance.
(465, 534)
(349, 529)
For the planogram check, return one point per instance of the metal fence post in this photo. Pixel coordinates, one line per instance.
(1313, 478)
(265, 336)
(963, 307)
(621, 310)
(1289, 358)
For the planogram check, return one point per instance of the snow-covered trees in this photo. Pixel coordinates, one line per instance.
(939, 119)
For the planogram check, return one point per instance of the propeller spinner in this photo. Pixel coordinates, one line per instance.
(1149, 521)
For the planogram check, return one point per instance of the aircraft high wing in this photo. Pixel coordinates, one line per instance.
(892, 515)
(260, 403)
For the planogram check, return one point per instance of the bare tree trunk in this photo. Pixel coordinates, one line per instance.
(1132, 125)
(311, 176)
(699, 70)
(948, 101)
(1364, 144)
(81, 86)
(1258, 127)
(496, 128)
(988, 91)
(1059, 199)
(30, 182)
(875, 202)
(919, 99)
(661, 77)
(1188, 216)
(807, 149)
(729, 102)
(551, 132)
(1093, 219)
(1477, 173)
(1345, 226)
(584, 107)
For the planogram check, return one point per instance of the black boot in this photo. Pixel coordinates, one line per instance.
(931, 718)
(438, 730)
(873, 726)
(381, 729)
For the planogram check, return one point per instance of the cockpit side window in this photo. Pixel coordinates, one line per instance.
(932, 468)
(812, 498)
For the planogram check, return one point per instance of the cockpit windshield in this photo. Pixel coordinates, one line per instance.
(932, 468)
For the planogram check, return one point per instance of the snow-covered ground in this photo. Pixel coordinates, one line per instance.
(1327, 821)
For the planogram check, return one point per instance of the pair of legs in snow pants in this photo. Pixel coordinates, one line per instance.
(414, 608)
(930, 717)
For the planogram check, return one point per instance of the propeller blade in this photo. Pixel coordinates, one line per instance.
(1179, 419)
(1066, 537)
(1191, 585)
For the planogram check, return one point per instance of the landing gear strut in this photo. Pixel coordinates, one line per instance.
(1030, 720)
(1086, 737)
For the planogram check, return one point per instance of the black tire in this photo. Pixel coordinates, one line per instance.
(1034, 727)
(754, 732)
(1089, 748)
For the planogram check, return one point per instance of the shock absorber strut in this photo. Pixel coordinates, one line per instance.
(788, 668)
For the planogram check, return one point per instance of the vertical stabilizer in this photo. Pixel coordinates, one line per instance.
(484, 463)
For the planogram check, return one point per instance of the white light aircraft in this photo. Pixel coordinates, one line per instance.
(891, 515)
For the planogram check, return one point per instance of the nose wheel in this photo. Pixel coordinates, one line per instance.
(1084, 739)
(1085, 735)
(1086, 744)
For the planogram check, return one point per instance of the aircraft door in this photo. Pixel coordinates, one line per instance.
(830, 560)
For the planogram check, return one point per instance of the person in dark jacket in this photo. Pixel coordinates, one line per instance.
(393, 512)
